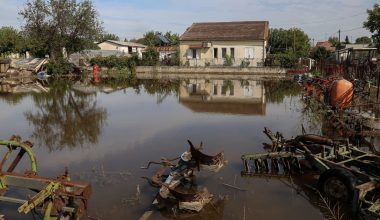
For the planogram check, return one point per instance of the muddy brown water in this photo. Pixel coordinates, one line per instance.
(104, 136)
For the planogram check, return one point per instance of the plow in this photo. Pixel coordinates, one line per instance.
(51, 198)
(346, 174)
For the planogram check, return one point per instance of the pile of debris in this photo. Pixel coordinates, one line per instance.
(17, 76)
(176, 182)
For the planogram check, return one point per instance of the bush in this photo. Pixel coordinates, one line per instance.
(111, 62)
(59, 66)
(228, 61)
(150, 57)
(245, 63)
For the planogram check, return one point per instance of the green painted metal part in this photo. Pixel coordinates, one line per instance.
(12, 145)
(39, 198)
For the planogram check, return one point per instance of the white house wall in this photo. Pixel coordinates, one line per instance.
(207, 54)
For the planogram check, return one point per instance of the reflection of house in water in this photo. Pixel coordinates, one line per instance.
(246, 97)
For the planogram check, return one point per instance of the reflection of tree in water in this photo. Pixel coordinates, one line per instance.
(276, 91)
(13, 99)
(66, 118)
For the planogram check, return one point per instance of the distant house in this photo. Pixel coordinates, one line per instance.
(125, 47)
(327, 45)
(209, 43)
(166, 51)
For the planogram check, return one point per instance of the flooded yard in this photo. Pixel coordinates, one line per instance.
(103, 136)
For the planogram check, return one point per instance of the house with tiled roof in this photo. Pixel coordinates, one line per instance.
(327, 45)
(210, 43)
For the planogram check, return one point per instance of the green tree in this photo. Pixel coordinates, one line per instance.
(346, 40)
(319, 53)
(11, 41)
(334, 41)
(173, 38)
(294, 39)
(286, 46)
(150, 57)
(150, 39)
(373, 24)
(363, 40)
(107, 36)
(55, 24)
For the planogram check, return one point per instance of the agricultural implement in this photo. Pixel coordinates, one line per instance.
(347, 174)
(53, 198)
(176, 181)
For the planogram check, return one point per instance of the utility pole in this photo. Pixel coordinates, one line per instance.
(294, 40)
(339, 40)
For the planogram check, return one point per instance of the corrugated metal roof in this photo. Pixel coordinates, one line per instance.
(229, 31)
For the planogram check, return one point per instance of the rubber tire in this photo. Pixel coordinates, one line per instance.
(345, 176)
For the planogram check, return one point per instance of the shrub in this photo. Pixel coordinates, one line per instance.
(228, 61)
(150, 57)
(59, 66)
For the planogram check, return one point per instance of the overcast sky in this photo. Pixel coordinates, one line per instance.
(132, 18)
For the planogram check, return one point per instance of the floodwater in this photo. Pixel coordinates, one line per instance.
(103, 136)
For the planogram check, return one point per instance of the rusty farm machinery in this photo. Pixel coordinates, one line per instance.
(176, 181)
(346, 173)
(50, 198)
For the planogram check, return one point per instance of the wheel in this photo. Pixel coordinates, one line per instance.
(338, 184)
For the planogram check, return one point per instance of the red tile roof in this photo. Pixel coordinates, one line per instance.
(327, 45)
(227, 31)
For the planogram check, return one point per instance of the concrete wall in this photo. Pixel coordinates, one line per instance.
(206, 55)
(254, 73)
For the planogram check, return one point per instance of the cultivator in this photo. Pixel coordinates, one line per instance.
(54, 198)
(347, 173)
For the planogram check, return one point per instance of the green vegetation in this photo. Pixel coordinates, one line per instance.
(334, 41)
(107, 36)
(11, 41)
(228, 60)
(276, 91)
(287, 45)
(373, 24)
(319, 53)
(150, 57)
(56, 24)
(363, 40)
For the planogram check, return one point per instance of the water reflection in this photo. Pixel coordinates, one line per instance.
(65, 118)
(244, 97)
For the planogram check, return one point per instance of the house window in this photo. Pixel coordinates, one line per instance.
(215, 52)
(232, 52)
(224, 90)
(224, 52)
(193, 53)
(231, 90)
(216, 89)
(194, 88)
(248, 52)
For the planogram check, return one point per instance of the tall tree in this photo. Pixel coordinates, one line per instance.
(292, 40)
(334, 41)
(55, 24)
(173, 38)
(346, 40)
(107, 36)
(373, 24)
(150, 38)
(11, 41)
(363, 40)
